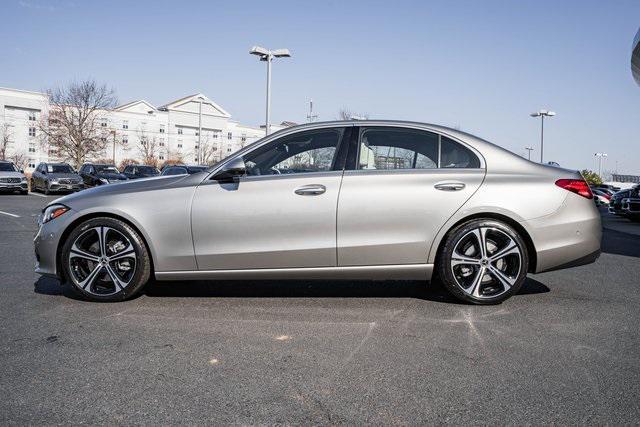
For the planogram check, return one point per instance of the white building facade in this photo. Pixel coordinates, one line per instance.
(137, 130)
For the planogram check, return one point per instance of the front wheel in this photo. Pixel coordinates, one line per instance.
(104, 259)
(483, 262)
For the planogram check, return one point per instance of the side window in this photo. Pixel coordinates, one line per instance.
(454, 155)
(304, 152)
(385, 148)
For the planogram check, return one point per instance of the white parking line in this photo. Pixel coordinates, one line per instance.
(10, 214)
(37, 194)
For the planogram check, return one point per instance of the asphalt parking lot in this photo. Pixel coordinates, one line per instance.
(565, 350)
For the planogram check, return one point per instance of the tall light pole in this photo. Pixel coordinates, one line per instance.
(600, 156)
(199, 130)
(542, 114)
(311, 117)
(529, 150)
(267, 56)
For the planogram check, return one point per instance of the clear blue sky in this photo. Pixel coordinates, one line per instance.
(480, 65)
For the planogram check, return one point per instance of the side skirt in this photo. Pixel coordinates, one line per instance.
(365, 272)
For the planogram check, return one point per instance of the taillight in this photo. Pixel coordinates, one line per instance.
(578, 186)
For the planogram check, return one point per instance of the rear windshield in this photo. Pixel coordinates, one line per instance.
(8, 167)
(148, 170)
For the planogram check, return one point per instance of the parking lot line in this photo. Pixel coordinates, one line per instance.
(10, 214)
(37, 194)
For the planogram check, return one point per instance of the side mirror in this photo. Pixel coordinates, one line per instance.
(231, 172)
(21, 170)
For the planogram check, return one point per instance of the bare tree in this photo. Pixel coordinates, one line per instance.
(208, 149)
(72, 127)
(5, 140)
(148, 148)
(347, 114)
(20, 159)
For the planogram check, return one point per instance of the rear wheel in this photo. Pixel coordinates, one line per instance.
(104, 259)
(483, 262)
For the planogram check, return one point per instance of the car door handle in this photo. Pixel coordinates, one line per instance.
(449, 186)
(310, 190)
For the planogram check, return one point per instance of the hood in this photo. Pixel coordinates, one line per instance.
(11, 174)
(63, 175)
(110, 175)
(130, 187)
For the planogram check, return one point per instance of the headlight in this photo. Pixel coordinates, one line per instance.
(104, 180)
(53, 212)
(24, 179)
(53, 180)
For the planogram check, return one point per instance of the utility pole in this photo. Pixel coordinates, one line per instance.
(114, 146)
(311, 117)
(600, 156)
(529, 150)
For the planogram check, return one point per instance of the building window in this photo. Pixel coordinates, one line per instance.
(32, 131)
(32, 149)
(229, 135)
(125, 124)
(32, 163)
(244, 137)
(179, 145)
(143, 140)
(125, 139)
(161, 128)
(103, 123)
(161, 143)
(196, 146)
(179, 131)
(32, 116)
(161, 157)
(215, 134)
(228, 149)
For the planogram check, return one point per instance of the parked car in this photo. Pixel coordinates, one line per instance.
(140, 171)
(612, 188)
(631, 204)
(55, 177)
(99, 174)
(603, 196)
(615, 204)
(182, 170)
(377, 200)
(12, 179)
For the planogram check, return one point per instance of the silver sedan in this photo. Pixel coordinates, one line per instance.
(354, 200)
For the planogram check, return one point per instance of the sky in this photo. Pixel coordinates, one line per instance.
(480, 66)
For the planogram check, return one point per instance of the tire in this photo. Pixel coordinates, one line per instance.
(488, 279)
(90, 273)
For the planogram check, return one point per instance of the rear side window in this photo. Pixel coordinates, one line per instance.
(396, 148)
(454, 155)
(389, 148)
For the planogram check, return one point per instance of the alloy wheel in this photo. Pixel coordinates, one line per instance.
(486, 262)
(102, 261)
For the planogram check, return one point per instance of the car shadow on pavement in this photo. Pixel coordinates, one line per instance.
(619, 243)
(289, 289)
(434, 291)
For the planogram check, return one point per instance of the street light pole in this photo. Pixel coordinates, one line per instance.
(529, 150)
(600, 156)
(542, 114)
(267, 56)
(199, 132)
(114, 146)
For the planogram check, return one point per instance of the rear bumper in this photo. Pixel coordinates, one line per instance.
(567, 238)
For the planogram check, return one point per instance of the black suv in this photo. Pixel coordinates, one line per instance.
(615, 204)
(99, 174)
(140, 171)
(182, 169)
(55, 177)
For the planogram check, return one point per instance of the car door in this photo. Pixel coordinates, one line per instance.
(282, 213)
(400, 187)
(84, 174)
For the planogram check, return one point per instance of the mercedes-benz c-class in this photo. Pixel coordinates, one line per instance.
(336, 200)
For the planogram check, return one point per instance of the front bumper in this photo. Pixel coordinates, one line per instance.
(58, 188)
(18, 186)
(46, 243)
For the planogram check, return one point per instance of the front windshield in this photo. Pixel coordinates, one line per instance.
(8, 167)
(59, 169)
(148, 170)
(106, 169)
